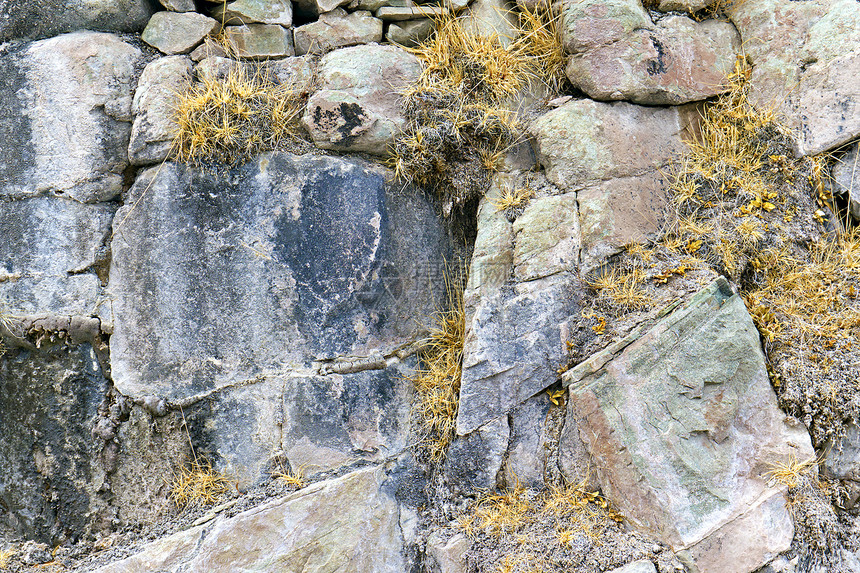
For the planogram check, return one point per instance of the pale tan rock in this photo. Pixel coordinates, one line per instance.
(584, 141)
(806, 58)
(449, 555)
(675, 61)
(492, 18)
(344, 524)
(399, 13)
(409, 32)
(154, 107)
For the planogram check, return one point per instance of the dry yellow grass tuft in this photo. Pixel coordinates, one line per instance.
(437, 381)
(791, 472)
(227, 120)
(513, 197)
(535, 524)
(459, 114)
(295, 479)
(5, 556)
(198, 484)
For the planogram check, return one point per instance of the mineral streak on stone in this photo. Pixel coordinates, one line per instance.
(357, 107)
(683, 425)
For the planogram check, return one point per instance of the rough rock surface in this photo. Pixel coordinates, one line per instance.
(525, 463)
(845, 179)
(473, 461)
(154, 108)
(448, 556)
(409, 33)
(641, 566)
(843, 459)
(178, 5)
(618, 53)
(55, 255)
(614, 157)
(65, 112)
(515, 330)
(34, 19)
(251, 11)
(683, 426)
(260, 41)
(302, 278)
(345, 524)
(806, 58)
(313, 8)
(51, 465)
(177, 32)
(357, 107)
(337, 29)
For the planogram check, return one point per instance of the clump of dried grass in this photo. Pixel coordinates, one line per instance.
(459, 114)
(538, 527)
(226, 120)
(437, 381)
(198, 483)
(5, 556)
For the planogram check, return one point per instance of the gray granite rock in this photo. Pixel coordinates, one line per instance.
(473, 461)
(400, 13)
(208, 49)
(34, 19)
(337, 29)
(154, 109)
(525, 462)
(683, 427)
(56, 255)
(291, 260)
(493, 18)
(260, 41)
(218, 68)
(842, 459)
(515, 342)
(65, 113)
(177, 32)
(357, 107)
(255, 11)
(346, 524)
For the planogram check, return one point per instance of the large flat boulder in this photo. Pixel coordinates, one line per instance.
(273, 304)
(683, 426)
(34, 19)
(806, 59)
(65, 116)
(350, 523)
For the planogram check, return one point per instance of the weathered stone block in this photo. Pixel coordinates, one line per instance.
(358, 105)
(65, 108)
(683, 426)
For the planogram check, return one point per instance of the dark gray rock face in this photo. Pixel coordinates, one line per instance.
(474, 460)
(51, 462)
(35, 19)
(272, 302)
(65, 116)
